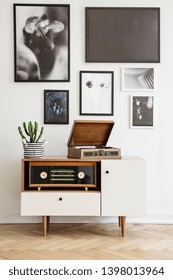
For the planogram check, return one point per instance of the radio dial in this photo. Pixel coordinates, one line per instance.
(43, 175)
(81, 175)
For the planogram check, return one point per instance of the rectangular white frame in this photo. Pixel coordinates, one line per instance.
(144, 83)
(143, 119)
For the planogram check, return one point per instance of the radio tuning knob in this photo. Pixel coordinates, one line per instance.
(81, 175)
(43, 175)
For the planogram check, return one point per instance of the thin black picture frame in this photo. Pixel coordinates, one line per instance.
(41, 42)
(96, 93)
(122, 35)
(56, 106)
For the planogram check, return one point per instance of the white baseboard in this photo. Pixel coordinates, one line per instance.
(155, 218)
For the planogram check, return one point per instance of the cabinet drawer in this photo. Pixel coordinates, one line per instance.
(60, 203)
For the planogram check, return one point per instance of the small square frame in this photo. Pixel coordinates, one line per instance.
(56, 106)
(138, 79)
(96, 93)
(142, 111)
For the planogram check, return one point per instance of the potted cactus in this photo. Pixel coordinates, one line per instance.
(31, 135)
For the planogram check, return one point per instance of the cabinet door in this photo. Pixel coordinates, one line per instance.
(123, 187)
(60, 203)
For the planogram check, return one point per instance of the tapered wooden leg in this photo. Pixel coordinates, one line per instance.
(122, 223)
(44, 223)
(48, 220)
(119, 221)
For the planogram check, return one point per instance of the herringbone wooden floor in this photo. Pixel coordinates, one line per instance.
(86, 242)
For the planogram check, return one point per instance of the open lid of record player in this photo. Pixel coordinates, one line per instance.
(90, 133)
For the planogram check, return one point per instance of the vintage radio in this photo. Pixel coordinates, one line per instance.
(88, 139)
(62, 174)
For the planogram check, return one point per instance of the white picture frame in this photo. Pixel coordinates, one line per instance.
(138, 79)
(142, 111)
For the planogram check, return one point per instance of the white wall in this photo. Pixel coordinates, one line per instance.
(24, 101)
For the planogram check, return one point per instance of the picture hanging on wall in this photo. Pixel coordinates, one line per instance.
(122, 34)
(41, 43)
(138, 79)
(96, 93)
(56, 106)
(142, 111)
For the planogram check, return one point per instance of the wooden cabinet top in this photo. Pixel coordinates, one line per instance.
(56, 158)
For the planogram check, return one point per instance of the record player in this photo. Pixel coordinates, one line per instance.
(88, 139)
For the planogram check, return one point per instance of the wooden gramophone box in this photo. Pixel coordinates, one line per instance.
(88, 139)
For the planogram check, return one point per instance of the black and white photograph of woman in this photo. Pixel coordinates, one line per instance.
(41, 42)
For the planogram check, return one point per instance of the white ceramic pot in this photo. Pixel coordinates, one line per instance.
(34, 150)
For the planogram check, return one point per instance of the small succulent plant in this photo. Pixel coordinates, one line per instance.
(30, 132)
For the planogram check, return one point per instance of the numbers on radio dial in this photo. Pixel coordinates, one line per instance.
(43, 175)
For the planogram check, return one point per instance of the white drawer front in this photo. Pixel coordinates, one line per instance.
(60, 203)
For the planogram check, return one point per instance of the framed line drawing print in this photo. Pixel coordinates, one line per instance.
(56, 106)
(127, 34)
(41, 43)
(138, 79)
(142, 112)
(96, 92)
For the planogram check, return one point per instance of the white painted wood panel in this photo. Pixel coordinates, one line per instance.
(60, 203)
(123, 187)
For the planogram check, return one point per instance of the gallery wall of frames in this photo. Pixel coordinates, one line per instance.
(42, 54)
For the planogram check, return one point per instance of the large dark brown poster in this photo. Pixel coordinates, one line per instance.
(122, 34)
